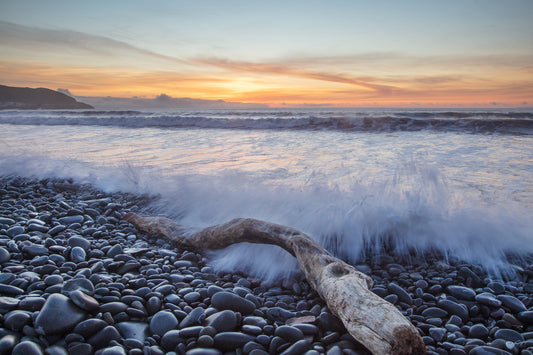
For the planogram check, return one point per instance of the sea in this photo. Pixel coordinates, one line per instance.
(456, 181)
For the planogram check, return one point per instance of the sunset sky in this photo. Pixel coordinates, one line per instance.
(454, 53)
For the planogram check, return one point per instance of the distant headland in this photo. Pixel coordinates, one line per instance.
(17, 98)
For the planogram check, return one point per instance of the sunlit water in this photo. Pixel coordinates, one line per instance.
(464, 192)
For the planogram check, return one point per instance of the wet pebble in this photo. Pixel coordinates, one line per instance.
(223, 321)
(162, 322)
(77, 254)
(227, 300)
(461, 292)
(227, 341)
(27, 348)
(4, 255)
(58, 315)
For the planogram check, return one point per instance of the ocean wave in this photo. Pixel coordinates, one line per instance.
(475, 122)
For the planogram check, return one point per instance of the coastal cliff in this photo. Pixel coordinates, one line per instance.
(17, 98)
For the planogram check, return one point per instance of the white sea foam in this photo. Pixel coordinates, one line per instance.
(414, 210)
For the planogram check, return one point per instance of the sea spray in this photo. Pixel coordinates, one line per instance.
(413, 211)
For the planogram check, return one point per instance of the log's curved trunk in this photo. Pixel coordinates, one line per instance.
(374, 322)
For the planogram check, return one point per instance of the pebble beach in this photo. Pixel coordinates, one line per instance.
(77, 279)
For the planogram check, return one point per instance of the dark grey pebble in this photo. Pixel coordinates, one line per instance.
(279, 314)
(16, 320)
(298, 348)
(251, 345)
(76, 241)
(211, 290)
(130, 343)
(251, 329)
(27, 348)
(434, 312)
(53, 280)
(254, 320)
(513, 303)
(205, 341)
(526, 317)
(4, 255)
(104, 337)
(113, 350)
(7, 343)
(334, 350)
(83, 300)
(183, 263)
(478, 331)
(14, 231)
(56, 230)
(263, 352)
(37, 228)
(71, 219)
(231, 340)
(203, 351)
(6, 277)
(115, 250)
(171, 339)
(128, 267)
(227, 300)
(488, 299)
(77, 255)
(508, 335)
(8, 303)
(195, 317)
(306, 328)
(81, 349)
(328, 321)
(488, 350)
(224, 321)
(192, 297)
(133, 330)
(437, 333)
(454, 308)
(153, 305)
(7, 221)
(55, 350)
(392, 298)
(113, 307)
(162, 322)
(10, 290)
(89, 327)
(191, 332)
(165, 289)
(400, 292)
(462, 292)
(58, 315)
(78, 283)
(289, 333)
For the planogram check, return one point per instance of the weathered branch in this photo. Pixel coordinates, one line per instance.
(374, 322)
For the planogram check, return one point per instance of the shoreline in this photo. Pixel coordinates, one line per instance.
(64, 247)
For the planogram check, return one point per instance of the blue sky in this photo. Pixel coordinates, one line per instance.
(249, 50)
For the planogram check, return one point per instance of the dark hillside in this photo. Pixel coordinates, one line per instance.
(32, 99)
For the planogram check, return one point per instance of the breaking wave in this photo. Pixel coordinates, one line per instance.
(472, 122)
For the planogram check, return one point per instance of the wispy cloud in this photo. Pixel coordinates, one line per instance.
(16, 36)
(288, 70)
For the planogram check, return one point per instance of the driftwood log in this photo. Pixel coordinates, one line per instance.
(374, 322)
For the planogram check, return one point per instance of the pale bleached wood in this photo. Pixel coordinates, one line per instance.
(374, 322)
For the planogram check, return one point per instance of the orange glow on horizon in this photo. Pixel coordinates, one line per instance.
(284, 88)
